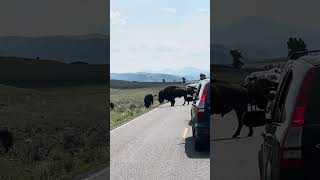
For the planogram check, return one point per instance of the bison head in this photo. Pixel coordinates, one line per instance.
(161, 96)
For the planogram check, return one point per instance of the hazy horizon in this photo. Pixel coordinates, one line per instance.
(159, 70)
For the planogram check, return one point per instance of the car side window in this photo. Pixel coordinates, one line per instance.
(282, 96)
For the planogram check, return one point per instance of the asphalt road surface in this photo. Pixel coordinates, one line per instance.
(233, 159)
(156, 145)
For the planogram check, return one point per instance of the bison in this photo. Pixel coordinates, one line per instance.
(172, 92)
(259, 92)
(227, 97)
(190, 92)
(6, 139)
(148, 100)
(111, 106)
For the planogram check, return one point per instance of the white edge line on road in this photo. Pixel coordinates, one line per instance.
(135, 119)
(96, 174)
(184, 134)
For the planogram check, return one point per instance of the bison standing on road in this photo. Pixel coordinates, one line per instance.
(190, 92)
(227, 97)
(172, 92)
(148, 100)
(259, 92)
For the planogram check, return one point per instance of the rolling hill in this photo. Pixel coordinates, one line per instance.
(91, 48)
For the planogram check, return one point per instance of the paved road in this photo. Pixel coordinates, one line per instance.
(233, 159)
(157, 145)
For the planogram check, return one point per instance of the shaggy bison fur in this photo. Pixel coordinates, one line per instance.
(6, 139)
(172, 92)
(148, 100)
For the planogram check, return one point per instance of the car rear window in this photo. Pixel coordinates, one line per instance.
(313, 109)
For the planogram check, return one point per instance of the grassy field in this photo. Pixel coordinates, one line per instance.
(58, 132)
(128, 99)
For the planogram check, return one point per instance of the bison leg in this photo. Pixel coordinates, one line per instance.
(240, 123)
(173, 101)
(250, 132)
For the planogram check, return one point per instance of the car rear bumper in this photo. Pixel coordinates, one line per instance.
(203, 135)
(291, 174)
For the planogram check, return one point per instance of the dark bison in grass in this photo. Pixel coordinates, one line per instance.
(148, 100)
(172, 92)
(111, 106)
(6, 139)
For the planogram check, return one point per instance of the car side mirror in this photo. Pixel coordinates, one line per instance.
(255, 119)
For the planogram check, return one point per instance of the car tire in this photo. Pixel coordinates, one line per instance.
(197, 146)
(260, 164)
(193, 134)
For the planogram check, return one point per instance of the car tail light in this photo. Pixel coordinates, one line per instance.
(205, 132)
(203, 100)
(291, 150)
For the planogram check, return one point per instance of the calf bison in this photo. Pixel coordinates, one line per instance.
(6, 139)
(227, 97)
(259, 92)
(148, 100)
(172, 92)
(190, 92)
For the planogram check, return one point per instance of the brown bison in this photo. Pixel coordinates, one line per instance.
(227, 97)
(148, 100)
(172, 92)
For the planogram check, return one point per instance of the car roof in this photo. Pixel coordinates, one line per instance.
(312, 59)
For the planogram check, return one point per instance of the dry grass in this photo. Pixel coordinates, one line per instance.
(128, 98)
(58, 132)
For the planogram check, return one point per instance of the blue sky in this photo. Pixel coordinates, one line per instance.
(159, 34)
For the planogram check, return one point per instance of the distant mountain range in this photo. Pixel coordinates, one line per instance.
(170, 75)
(91, 48)
(189, 73)
(258, 38)
(145, 77)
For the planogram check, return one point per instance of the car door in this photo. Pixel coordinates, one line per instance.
(271, 142)
(194, 108)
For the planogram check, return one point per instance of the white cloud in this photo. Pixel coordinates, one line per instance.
(202, 10)
(187, 43)
(169, 10)
(118, 19)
